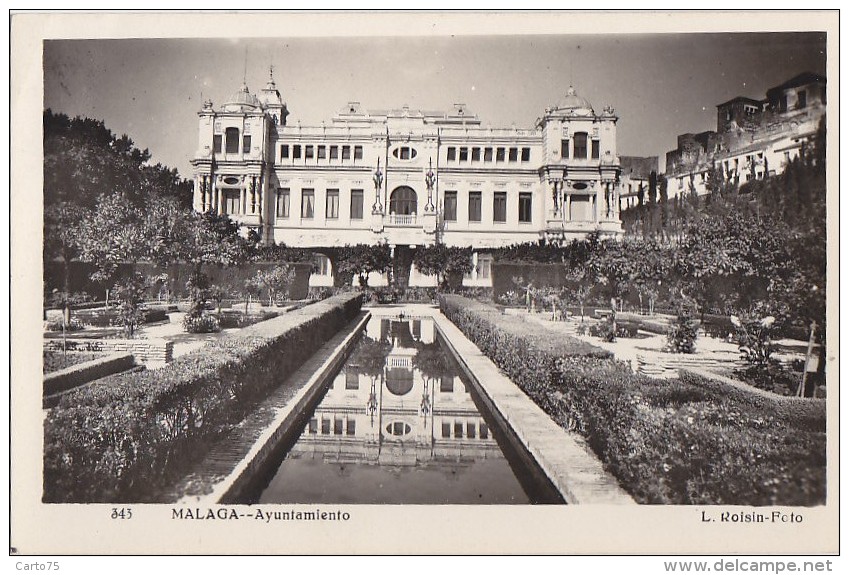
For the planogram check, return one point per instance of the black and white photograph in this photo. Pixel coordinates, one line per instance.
(350, 282)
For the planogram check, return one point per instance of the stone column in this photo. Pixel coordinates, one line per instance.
(568, 211)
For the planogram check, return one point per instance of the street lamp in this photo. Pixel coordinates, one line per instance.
(430, 180)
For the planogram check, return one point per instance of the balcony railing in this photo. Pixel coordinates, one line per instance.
(402, 220)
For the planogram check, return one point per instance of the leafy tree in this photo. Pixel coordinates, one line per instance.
(276, 281)
(114, 234)
(209, 239)
(447, 263)
(84, 162)
(360, 260)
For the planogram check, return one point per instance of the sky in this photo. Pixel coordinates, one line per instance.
(660, 85)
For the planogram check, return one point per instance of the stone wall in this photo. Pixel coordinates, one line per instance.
(146, 351)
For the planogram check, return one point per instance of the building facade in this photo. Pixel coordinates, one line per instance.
(407, 177)
(636, 175)
(753, 138)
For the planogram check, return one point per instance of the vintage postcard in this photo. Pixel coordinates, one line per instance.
(424, 283)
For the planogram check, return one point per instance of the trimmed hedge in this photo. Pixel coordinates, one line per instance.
(86, 371)
(126, 438)
(101, 317)
(666, 441)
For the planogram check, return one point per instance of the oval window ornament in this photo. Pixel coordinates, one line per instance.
(398, 428)
(231, 180)
(580, 186)
(405, 153)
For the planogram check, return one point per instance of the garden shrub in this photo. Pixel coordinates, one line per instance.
(666, 441)
(126, 438)
(682, 334)
(205, 323)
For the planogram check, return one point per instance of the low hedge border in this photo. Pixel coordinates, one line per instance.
(802, 412)
(125, 438)
(76, 375)
(666, 441)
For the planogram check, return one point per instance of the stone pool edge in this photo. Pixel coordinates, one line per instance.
(576, 473)
(264, 447)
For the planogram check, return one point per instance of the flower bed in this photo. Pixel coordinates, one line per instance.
(665, 441)
(127, 437)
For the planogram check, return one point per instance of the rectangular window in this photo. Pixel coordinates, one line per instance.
(487, 154)
(356, 204)
(451, 206)
(332, 211)
(216, 143)
(346, 152)
(322, 152)
(484, 266)
(514, 155)
(564, 148)
(284, 151)
(499, 155)
(246, 144)
(476, 154)
(526, 154)
(580, 146)
(525, 205)
(307, 203)
(484, 431)
(296, 152)
(352, 378)
(801, 99)
(309, 153)
(351, 427)
(470, 430)
(232, 201)
(231, 140)
(452, 153)
(446, 430)
(474, 206)
(334, 152)
(596, 149)
(464, 154)
(458, 430)
(321, 265)
(499, 207)
(358, 152)
(337, 426)
(325, 426)
(282, 202)
(313, 425)
(446, 384)
(404, 153)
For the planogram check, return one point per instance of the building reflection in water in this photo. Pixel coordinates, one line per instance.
(400, 405)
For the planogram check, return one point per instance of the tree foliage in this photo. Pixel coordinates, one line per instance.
(444, 262)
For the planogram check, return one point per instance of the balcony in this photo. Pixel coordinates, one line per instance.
(402, 220)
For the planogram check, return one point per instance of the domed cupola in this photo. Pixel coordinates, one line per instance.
(573, 102)
(241, 101)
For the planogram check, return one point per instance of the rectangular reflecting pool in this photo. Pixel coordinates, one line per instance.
(401, 423)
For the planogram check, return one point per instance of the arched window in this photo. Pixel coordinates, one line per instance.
(231, 140)
(403, 201)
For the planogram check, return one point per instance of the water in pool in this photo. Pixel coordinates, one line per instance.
(398, 424)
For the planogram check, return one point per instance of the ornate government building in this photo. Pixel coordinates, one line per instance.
(408, 177)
